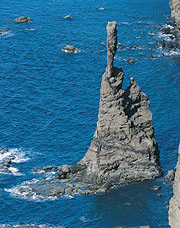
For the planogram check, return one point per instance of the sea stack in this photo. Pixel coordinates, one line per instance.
(174, 208)
(123, 149)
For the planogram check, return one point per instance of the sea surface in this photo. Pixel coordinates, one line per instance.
(49, 105)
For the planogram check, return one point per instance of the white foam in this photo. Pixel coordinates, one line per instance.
(6, 34)
(168, 26)
(5, 155)
(13, 155)
(20, 155)
(124, 23)
(170, 53)
(25, 191)
(15, 171)
(83, 219)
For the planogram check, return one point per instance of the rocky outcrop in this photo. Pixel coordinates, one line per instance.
(170, 175)
(174, 208)
(123, 149)
(175, 11)
(23, 19)
(3, 31)
(69, 16)
(70, 49)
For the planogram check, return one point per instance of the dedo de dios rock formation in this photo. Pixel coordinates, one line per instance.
(123, 149)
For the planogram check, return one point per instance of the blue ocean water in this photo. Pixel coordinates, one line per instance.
(49, 104)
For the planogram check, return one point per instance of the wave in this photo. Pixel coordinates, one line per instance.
(6, 34)
(124, 23)
(26, 225)
(25, 191)
(171, 53)
(10, 156)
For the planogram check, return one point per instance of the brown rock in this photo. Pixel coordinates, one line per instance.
(23, 19)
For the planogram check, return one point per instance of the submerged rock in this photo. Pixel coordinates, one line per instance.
(70, 49)
(23, 19)
(131, 60)
(150, 56)
(174, 207)
(156, 188)
(2, 31)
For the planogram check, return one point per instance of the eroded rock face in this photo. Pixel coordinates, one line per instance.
(175, 11)
(174, 208)
(123, 149)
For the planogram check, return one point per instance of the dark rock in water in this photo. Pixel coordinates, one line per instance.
(23, 19)
(174, 207)
(2, 31)
(170, 175)
(166, 30)
(158, 27)
(150, 56)
(156, 188)
(6, 159)
(70, 49)
(123, 149)
(68, 17)
(131, 60)
(171, 46)
(161, 44)
(120, 46)
(48, 168)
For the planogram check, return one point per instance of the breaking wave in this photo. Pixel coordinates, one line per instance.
(10, 156)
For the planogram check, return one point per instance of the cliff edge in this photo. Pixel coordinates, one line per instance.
(175, 11)
(174, 208)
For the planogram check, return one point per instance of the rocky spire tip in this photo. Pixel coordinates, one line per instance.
(111, 43)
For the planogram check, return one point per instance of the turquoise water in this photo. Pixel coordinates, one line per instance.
(49, 104)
